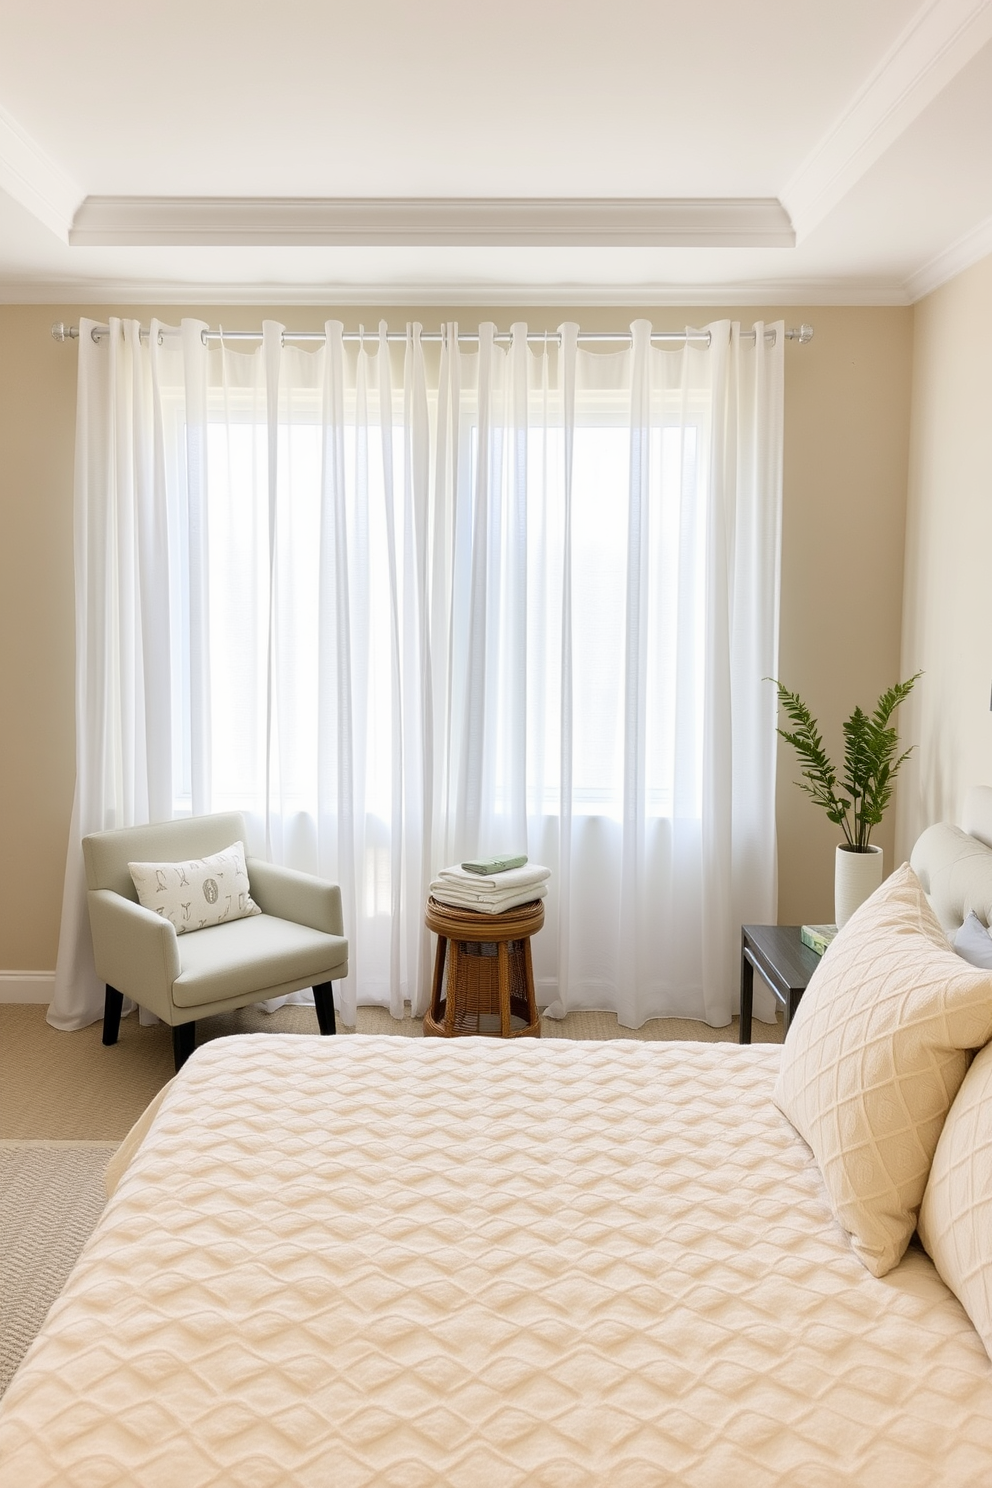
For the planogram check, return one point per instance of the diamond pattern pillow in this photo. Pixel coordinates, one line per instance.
(197, 894)
(956, 1213)
(874, 1058)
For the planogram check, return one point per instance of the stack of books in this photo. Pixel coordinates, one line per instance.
(818, 937)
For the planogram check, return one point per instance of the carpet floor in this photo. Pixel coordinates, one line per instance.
(67, 1087)
(52, 1197)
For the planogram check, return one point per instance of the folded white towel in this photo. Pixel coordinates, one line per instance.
(496, 883)
(446, 893)
(472, 891)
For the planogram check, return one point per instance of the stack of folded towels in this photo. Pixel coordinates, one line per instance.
(490, 893)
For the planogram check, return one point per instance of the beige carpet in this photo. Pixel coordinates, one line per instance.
(66, 1086)
(52, 1197)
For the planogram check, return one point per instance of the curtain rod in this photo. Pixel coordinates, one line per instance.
(802, 334)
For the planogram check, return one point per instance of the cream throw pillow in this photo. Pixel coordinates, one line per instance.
(956, 1213)
(194, 895)
(874, 1057)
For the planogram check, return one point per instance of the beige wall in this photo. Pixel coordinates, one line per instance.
(847, 407)
(947, 619)
(846, 441)
(37, 416)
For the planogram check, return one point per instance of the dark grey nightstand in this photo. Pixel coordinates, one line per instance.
(777, 953)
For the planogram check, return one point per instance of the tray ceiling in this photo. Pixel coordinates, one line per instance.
(774, 152)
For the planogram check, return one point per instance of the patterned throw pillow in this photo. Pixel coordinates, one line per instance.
(956, 1214)
(206, 891)
(874, 1058)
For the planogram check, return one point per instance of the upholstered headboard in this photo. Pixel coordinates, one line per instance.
(954, 864)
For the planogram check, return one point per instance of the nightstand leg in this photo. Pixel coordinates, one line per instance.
(791, 1005)
(747, 995)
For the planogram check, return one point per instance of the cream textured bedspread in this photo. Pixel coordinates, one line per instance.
(386, 1261)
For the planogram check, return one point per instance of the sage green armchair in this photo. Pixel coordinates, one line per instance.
(297, 941)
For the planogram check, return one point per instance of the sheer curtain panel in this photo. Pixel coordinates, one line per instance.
(405, 604)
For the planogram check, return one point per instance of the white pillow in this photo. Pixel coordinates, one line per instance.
(194, 895)
(956, 1213)
(974, 942)
(874, 1057)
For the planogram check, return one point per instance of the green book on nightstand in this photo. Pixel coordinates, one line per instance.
(817, 937)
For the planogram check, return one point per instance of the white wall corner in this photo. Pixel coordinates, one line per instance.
(968, 250)
(27, 986)
(34, 180)
(939, 41)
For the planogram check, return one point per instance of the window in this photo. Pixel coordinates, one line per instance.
(254, 556)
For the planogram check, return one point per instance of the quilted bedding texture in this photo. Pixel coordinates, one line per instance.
(401, 1262)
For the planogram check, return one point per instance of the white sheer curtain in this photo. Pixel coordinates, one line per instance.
(402, 605)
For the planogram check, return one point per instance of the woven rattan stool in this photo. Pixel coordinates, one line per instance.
(483, 977)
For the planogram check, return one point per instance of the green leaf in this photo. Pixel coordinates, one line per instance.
(871, 763)
(819, 776)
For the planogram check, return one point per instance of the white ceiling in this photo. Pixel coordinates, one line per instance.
(870, 123)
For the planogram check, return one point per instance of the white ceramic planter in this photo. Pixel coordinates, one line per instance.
(856, 877)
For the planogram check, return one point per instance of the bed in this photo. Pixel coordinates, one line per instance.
(401, 1262)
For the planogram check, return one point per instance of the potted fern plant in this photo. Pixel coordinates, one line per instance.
(856, 799)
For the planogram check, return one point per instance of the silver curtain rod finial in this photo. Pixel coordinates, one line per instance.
(63, 332)
(803, 334)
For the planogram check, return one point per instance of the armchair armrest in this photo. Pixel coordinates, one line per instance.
(299, 897)
(135, 950)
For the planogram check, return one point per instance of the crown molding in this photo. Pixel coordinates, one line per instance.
(120, 221)
(66, 295)
(967, 250)
(938, 42)
(34, 180)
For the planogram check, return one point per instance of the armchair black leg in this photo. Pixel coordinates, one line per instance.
(112, 1004)
(183, 1042)
(323, 1000)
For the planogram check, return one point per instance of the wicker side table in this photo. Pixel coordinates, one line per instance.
(483, 976)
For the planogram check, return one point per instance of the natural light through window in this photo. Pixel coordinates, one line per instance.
(263, 553)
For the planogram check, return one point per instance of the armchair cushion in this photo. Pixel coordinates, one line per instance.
(199, 893)
(253, 955)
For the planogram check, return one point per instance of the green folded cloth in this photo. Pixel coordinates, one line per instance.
(495, 865)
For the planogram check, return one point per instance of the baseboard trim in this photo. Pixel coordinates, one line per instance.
(27, 986)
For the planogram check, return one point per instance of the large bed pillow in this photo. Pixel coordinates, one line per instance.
(956, 1214)
(874, 1057)
(197, 894)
